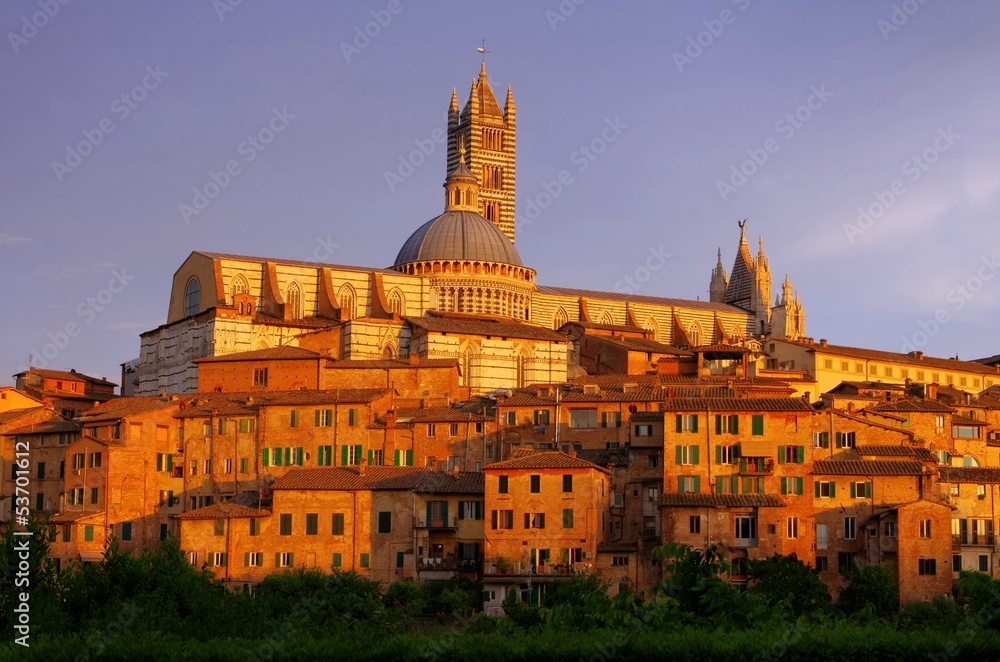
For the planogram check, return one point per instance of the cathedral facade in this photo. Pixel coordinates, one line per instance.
(457, 289)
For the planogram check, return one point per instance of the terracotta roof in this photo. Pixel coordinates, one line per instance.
(123, 407)
(605, 457)
(638, 298)
(282, 352)
(868, 467)
(484, 326)
(69, 517)
(247, 404)
(913, 405)
(14, 414)
(544, 460)
(865, 421)
(68, 375)
(622, 328)
(688, 500)
(612, 547)
(388, 364)
(641, 345)
(989, 360)
(958, 419)
(978, 475)
(647, 416)
(294, 263)
(915, 452)
(440, 415)
(419, 479)
(736, 404)
(224, 510)
(896, 357)
(722, 348)
(52, 426)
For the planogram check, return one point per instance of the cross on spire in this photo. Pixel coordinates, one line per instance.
(482, 51)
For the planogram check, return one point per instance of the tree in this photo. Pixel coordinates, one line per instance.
(694, 578)
(870, 588)
(785, 581)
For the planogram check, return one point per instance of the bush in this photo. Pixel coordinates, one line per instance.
(871, 591)
(786, 582)
(404, 598)
(941, 613)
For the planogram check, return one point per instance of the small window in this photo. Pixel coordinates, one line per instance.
(694, 523)
(925, 529)
(536, 483)
(502, 484)
(338, 524)
(192, 297)
(312, 524)
(567, 483)
(385, 521)
(285, 520)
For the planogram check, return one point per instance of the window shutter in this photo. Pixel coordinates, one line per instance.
(288, 456)
(277, 559)
(298, 456)
(694, 424)
(170, 461)
(461, 510)
(493, 519)
(291, 559)
(358, 453)
(718, 454)
(854, 490)
(800, 455)
(781, 455)
(479, 510)
(604, 419)
(697, 484)
(679, 452)
(736, 452)
(734, 484)
(430, 511)
(868, 493)
(816, 485)
(246, 559)
(267, 457)
(444, 512)
(395, 457)
(337, 559)
(316, 421)
(527, 520)
(159, 462)
(370, 452)
(833, 489)
(343, 455)
(718, 485)
(680, 425)
(839, 436)
(409, 458)
(694, 453)
(352, 416)
(736, 423)
(718, 424)
(784, 485)
(618, 419)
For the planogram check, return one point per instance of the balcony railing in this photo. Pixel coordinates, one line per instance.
(757, 466)
(523, 569)
(447, 564)
(745, 542)
(648, 533)
(437, 523)
(984, 539)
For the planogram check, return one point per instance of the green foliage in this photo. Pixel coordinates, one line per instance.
(695, 579)
(405, 598)
(519, 613)
(457, 597)
(785, 583)
(871, 592)
(980, 594)
(941, 613)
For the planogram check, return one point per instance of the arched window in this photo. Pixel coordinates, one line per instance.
(293, 301)
(653, 327)
(694, 334)
(469, 353)
(388, 352)
(970, 461)
(396, 302)
(606, 318)
(522, 358)
(736, 334)
(238, 286)
(559, 319)
(192, 297)
(345, 299)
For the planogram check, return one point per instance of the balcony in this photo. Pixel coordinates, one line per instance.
(649, 534)
(972, 539)
(524, 570)
(431, 564)
(756, 466)
(440, 523)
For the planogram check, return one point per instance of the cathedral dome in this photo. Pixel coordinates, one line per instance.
(458, 235)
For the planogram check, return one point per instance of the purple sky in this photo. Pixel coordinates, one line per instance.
(927, 89)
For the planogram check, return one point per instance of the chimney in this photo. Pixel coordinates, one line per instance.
(390, 418)
(932, 391)
(414, 358)
(362, 468)
(919, 355)
(822, 342)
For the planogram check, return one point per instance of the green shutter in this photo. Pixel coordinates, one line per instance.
(170, 461)
(604, 419)
(429, 511)
(277, 559)
(370, 452)
(694, 423)
(854, 490)
(461, 510)
(757, 425)
(357, 453)
(839, 436)
(399, 559)
(868, 489)
(694, 453)
(444, 512)
(316, 418)
(337, 559)
(298, 455)
(718, 485)
(784, 485)
(697, 484)
(246, 559)
(833, 489)
(800, 454)
(718, 424)
(799, 482)
(291, 559)
(816, 485)
(395, 457)
(718, 454)
(159, 461)
(781, 455)
(352, 416)
(343, 455)
(734, 485)
(679, 452)
(618, 419)
(288, 456)
(409, 458)
(680, 425)
(277, 456)
(736, 452)
(736, 423)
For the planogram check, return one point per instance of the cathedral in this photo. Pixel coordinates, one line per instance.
(457, 290)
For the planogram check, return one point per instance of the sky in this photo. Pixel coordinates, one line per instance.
(859, 138)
